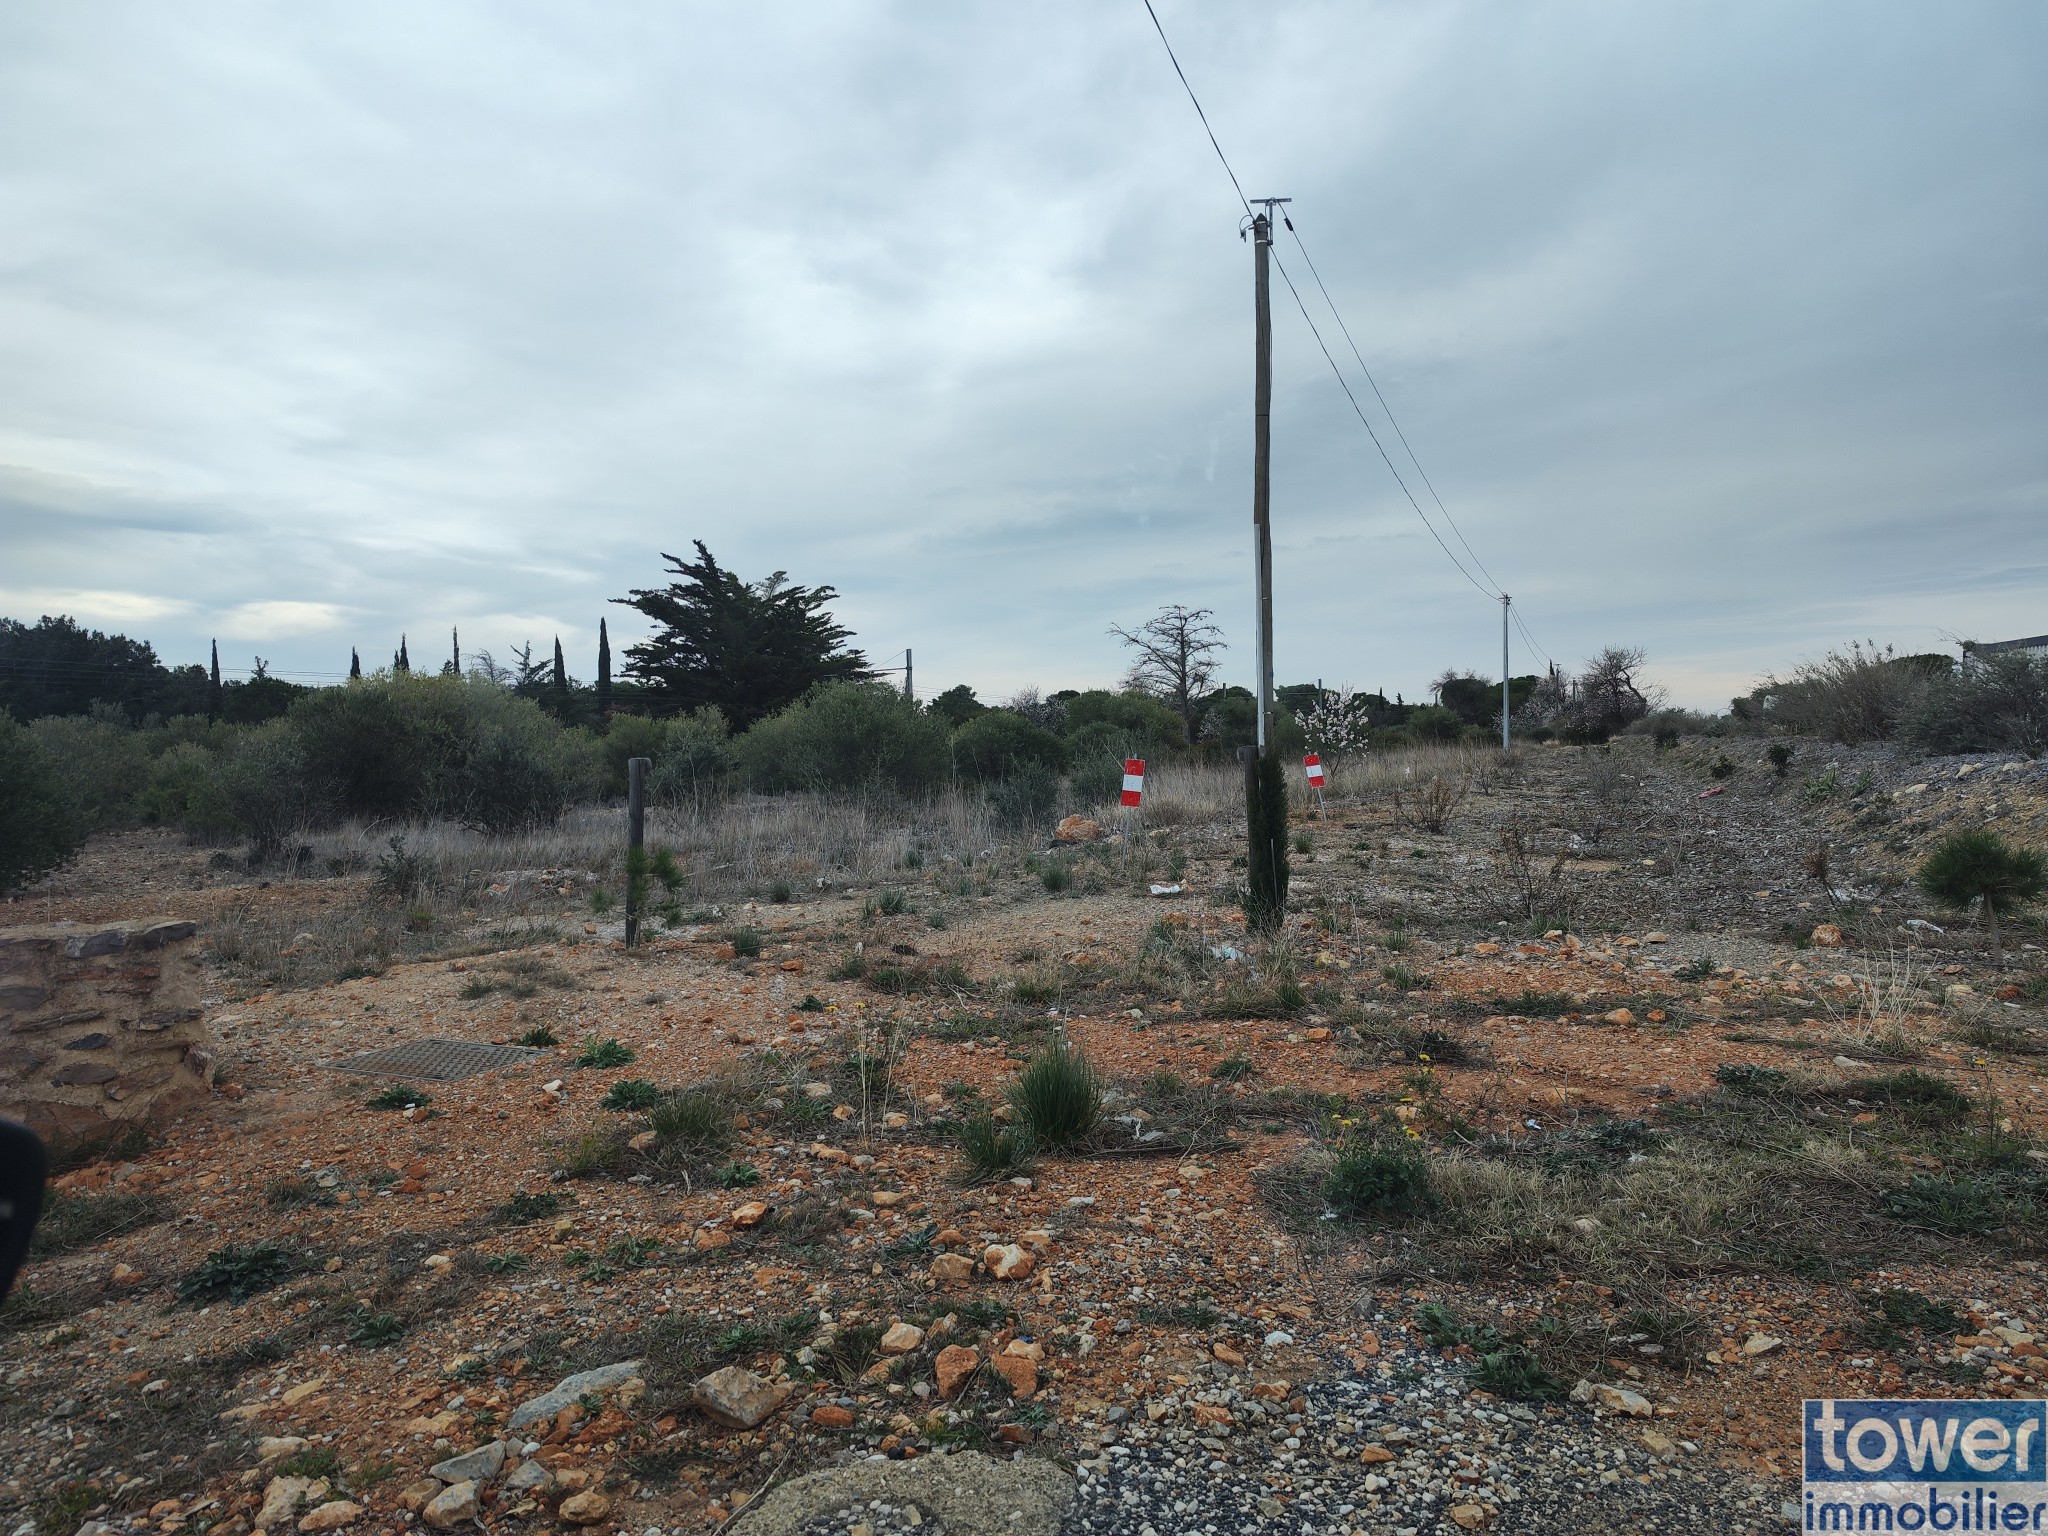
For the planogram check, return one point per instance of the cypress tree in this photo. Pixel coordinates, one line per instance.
(213, 693)
(401, 662)
(561, 679)
(455, 642)
(355, 666)
(1265, 893)
(604, 670)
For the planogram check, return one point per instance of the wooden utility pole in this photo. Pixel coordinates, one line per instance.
(636, 837)
(1265, 787)
(1262, 459)
(1506, 744)
(909, 692)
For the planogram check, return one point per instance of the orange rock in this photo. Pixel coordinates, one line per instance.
(832, 1416)
(1210, 1413)
(794, 967)
(952, 1268)
(1007, 1261)
(1827, 936)
(1019, 1372)
(704, 1239)
(1375, 1455)
(955, 1363)
(1226, 1354)
(750, 1215)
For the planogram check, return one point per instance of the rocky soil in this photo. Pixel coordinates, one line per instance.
(522, 1298)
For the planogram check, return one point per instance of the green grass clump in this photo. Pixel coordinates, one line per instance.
(292, 1192)
(1403, 978)
(746, 943)
(398, 1096)
(1056, 877)
(738, 1176)
(539, 1038)
(990, 1150)
(1517, 1374)
(1233, 1069)
(1058, 1096)
(1920, 1096)
(238, 1272)
(694, 1120)
(70, 1222)
(373, 1330)
(1962, 1205)
(632, 1094)
(1747, 1077)
(603, 1053)
(1370, 1179)
(522, 1207)
(893, 903)
(779, 893)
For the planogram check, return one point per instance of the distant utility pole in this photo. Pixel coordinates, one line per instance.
(909, 692)
(1505, 744)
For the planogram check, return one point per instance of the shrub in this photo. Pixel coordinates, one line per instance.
(1862, 694)
(1369, 1179)
(1780, 754)
(1134, 724)
(78, 1221)
(990, 1150)
(1027, 795)
(1959, 1205)
(738, 1176)
(103, 763)
(1058, 1096)
(1994, 703)
(538, 1038)
(847, 736)
(41, 825)
(696, 760)
(1056, 876)
(399, 1096)
(996, 744)
(1981, 869)
(1432, 722)
(746, 943)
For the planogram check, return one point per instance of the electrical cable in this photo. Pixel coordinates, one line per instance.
(1392, 420)
(1196, 100)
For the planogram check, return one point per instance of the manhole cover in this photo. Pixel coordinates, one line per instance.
(434, 1061)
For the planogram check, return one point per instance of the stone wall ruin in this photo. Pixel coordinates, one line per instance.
(100, 1026)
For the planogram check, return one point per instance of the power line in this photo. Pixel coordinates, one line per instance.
(1490, 588)
(1392, 420)
(1196, 100)
(1491, 594)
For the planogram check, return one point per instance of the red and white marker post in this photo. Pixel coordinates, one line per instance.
(1134, 791)
(1313, 765)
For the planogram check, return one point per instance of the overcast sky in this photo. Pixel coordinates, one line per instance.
(1721, 328)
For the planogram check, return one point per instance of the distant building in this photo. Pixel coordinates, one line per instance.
(2033, 645)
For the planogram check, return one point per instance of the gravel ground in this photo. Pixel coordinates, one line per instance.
(1458, 1463)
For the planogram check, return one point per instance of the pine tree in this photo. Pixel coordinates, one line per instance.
(604, 670)
(401, 662)
(355, 666)
(213, 693)
(750, 648)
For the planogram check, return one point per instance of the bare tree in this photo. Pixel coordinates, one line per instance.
(1176, 661)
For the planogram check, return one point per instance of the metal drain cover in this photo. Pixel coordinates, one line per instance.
(434, 1061)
